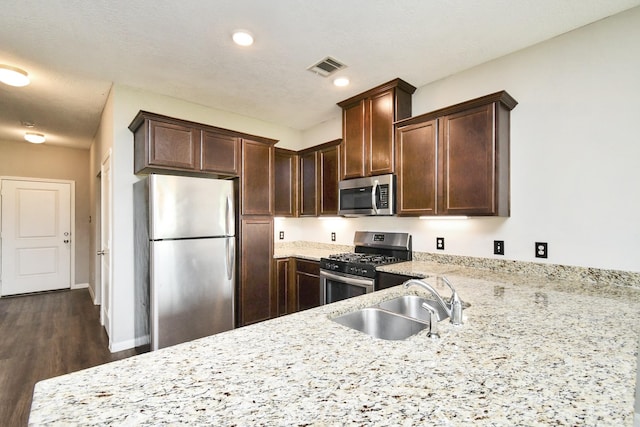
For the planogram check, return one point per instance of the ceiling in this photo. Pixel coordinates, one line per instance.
(74, 50)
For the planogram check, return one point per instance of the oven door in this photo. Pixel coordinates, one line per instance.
(336, 287)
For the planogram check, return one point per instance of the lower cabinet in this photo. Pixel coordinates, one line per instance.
(307, 284)
(257, 299)
(389, 280)
(297, 284)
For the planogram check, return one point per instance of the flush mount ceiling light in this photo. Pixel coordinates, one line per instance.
(341, 81)
(35, 138)
(242, 38)
(13, 76)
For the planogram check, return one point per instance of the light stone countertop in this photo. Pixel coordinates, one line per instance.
(531, 352)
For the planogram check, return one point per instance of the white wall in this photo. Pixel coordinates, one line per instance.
(124, 103)
(574, 153)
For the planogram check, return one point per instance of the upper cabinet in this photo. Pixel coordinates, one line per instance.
(455, 161)
(286, 182)
(319, 176)
(167, 145)
(257, 178)
(220, 152)
(367, 128)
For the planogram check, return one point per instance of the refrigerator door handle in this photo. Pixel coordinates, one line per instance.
(228, 220)
(231, 257)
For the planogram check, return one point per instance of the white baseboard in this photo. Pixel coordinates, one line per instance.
(128, 344)
(93, 295)
(79, 286)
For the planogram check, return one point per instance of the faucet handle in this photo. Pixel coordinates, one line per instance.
(433, 320)
(455, 303)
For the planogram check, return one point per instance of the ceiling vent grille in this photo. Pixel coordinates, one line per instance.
(326, 67)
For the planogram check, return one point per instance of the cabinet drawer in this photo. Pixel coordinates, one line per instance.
(309, 267)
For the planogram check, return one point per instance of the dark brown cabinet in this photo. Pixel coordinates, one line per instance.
(328, 177)
(309, 183)
(257, 178)
(297, 284)
(283, 286)
(167, 145)
(307, 284)
(220, 153)
(286, 182)
(416, 170)
(367, 128)
(455, 161)
(319, 176)
(257, 298)
(386, 280)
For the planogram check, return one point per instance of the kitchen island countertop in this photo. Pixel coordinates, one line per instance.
(531, 352)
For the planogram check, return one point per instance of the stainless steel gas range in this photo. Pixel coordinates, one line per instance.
(352, 274)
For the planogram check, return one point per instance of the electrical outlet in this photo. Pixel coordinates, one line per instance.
(281, 235)
(498, 247)
(440, 243)
(541, 250)
(333, 236)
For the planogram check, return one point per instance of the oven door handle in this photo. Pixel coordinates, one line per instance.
(347, 280)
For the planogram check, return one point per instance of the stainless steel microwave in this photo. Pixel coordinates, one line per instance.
(374, 195)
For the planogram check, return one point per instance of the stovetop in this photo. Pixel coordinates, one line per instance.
(362, 258)
(372, 249)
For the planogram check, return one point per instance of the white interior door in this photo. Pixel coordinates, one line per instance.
(36, 236)
(105, 250)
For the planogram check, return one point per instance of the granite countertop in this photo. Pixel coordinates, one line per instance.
(531, 352)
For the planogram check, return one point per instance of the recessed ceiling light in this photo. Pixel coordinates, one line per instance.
(13, 76)
(341, 81)
(36, 138)
(242, 38)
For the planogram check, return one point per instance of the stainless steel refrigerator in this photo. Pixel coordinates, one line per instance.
(185, 258)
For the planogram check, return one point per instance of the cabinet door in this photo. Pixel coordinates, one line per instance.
(257, 297)
(220, 153)
(329, 168)
(379, 135)
(386, 280)
(286, 183)
(282, 285)
(308, 184)
(417, 156)
(307, 284)
(257, 178)
(353, 142)
(468, 162)
(173, 146)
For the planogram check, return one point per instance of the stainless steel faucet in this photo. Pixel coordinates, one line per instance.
(453, 307)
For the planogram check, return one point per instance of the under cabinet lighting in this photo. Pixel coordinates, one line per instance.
(13, 76)
(444, 217)
(35, 138)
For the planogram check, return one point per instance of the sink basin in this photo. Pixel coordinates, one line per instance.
(381, 324)
(411, 306)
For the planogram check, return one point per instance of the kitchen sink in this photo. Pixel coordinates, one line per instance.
(411, 306)
(382, 324)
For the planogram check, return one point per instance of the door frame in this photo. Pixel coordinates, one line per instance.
(72, 219)
(106, 317)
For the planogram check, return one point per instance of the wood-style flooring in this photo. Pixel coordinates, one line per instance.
(43, 336)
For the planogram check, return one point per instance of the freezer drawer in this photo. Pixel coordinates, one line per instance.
(192, 289)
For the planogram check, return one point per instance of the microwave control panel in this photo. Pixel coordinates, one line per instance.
(383, 197)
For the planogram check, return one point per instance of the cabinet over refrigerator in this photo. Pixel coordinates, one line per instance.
(185, 258)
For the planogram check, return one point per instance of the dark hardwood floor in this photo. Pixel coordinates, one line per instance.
(43, 336)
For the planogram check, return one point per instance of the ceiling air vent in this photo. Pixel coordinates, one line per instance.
(326, 67)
